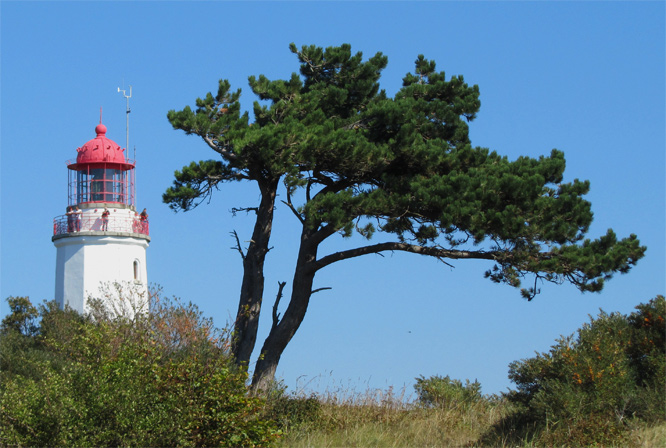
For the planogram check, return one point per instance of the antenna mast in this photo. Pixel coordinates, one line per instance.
(127, 97)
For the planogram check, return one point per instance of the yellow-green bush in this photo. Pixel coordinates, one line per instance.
(159, 380)
(590, 388)
(445, 392)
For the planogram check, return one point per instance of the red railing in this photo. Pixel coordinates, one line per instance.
(68, 224)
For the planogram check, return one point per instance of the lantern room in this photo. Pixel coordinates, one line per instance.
(101, 174)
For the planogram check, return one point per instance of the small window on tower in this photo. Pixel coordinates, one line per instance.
(137, 277)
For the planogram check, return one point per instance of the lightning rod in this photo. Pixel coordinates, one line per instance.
(128, 110)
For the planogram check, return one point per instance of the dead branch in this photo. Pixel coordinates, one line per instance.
(238, 245)
(235, 210)
(276, 315)
(294, 211)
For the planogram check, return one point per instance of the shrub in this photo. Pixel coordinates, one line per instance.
(22, 318)
(290, 411)
(120, 382)
(647, 354)
(445, 392)
(590, 387)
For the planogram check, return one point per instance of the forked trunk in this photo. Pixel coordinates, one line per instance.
(283, 331)
(252, 289)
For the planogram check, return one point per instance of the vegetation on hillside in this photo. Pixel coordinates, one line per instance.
(603, 386)
(167, 380)
(163, 379)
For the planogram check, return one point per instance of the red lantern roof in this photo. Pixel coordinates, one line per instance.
(100, 150)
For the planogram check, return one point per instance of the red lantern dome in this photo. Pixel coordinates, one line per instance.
(101, 173)
(100, 150)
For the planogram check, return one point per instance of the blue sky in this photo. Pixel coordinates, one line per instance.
(587, 78)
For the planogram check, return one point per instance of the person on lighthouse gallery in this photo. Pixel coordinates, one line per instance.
(105, 219)
(70, 219)
(144, 221)
(78, 212)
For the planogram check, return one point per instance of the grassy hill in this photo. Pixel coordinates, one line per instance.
(602, 386)
(383, 419)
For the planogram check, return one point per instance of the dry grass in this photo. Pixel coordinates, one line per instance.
(384, 419)
(649, 437)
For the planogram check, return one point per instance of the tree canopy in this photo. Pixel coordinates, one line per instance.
(352, 159)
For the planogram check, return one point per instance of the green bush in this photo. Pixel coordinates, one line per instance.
(590, 388)
(164, 379)
(22, 319)
(289, 410)
(445, 392)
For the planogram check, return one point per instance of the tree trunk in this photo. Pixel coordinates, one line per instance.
(281, 333)
(252, 289)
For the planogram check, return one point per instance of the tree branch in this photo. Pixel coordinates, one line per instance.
(222, 151)
(238, 245)
(359, 124)
(235, 210)
(532, 292)
(436, 252)
(276, 316)
(307, 190)
(323, 232)
(292, 208)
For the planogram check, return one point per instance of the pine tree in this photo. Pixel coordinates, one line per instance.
(352, 159)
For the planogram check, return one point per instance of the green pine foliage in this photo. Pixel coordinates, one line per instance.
(405, 163)
(158, 380)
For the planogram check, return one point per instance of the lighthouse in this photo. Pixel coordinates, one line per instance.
(101, 239)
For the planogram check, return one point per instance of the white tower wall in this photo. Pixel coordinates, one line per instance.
(109, 265)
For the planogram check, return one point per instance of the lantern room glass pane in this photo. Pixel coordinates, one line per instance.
(82, 187)
(101, 185)
(97, 184)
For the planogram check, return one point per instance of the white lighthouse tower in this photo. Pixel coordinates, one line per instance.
(101, 242)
